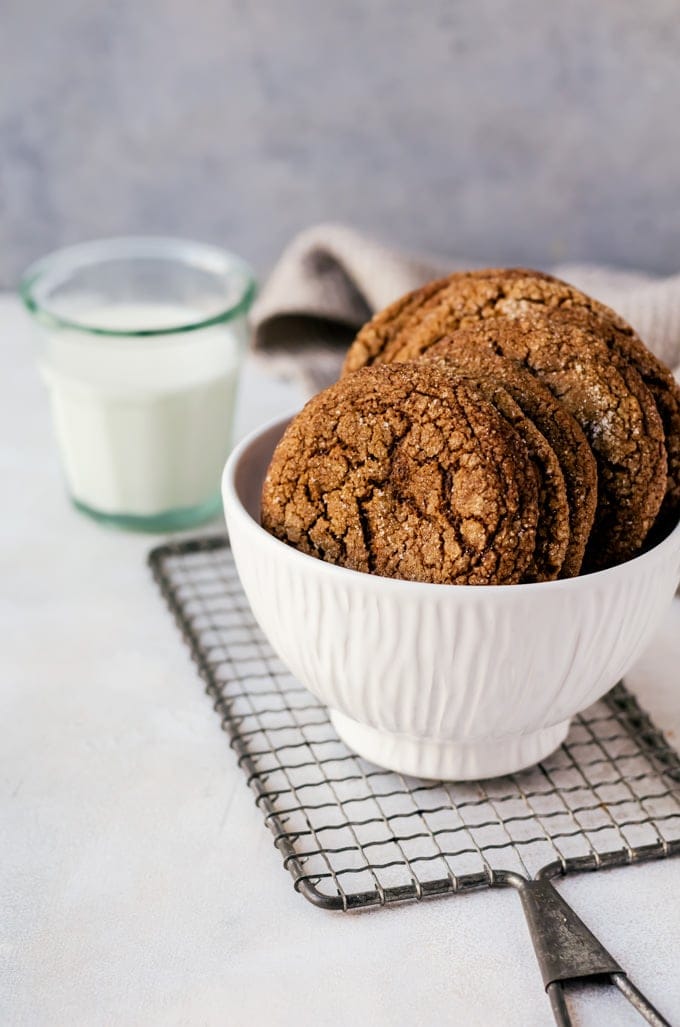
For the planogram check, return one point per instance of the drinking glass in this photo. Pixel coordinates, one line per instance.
(140, 344)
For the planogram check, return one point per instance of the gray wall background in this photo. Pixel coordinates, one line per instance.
(499, 131)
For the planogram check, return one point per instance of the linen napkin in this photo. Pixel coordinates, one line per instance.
(331, 279)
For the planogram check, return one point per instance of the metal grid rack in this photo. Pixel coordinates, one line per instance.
(353, 835)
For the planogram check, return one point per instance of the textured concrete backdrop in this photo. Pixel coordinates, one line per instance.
(498, 130)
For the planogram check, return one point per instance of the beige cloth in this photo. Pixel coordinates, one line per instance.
(331, 279)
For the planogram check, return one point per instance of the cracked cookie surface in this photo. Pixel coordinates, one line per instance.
(552, 420)
(613, 408)
(406, 471)
(552, 530)
(413, 323)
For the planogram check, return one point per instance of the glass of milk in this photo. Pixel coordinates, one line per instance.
(140, 345)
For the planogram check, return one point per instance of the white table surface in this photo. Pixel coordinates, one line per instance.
(138, 883)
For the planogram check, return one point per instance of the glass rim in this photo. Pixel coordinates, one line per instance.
(183, 251)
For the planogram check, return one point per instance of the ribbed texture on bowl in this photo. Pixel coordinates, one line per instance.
(447, 664)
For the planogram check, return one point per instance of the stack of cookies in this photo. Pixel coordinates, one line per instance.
(493, 427)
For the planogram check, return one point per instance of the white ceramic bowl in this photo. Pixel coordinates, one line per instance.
(442, 681)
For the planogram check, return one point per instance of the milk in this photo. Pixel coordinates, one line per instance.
(143, 423)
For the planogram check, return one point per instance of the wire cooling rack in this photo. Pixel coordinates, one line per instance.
(353, 835)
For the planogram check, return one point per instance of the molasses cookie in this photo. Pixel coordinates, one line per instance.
(615, 412)
(407, 472)
(552, 531)
(628, 350)
(552, 420)
(408, 327)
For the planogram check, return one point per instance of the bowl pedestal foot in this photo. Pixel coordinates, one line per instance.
(448, 760)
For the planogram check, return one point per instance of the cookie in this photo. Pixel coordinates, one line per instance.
(408, 327)
(628, 350)
(616, 413)
(552, 420)
(552, 531)
(405, 471)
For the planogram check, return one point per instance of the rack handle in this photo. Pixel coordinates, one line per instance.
(567, 950)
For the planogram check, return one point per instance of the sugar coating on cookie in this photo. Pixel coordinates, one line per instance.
(408, 472)
(561, 431)
(615, 412)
